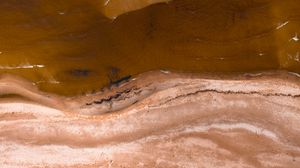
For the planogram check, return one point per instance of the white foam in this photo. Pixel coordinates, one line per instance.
(25, 66)
(281, 25)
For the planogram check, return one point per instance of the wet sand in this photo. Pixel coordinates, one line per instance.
(114, 8)
(156, 119)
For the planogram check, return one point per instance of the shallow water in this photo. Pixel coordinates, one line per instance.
(69, 47)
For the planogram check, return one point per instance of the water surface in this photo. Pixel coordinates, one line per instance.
(69, 47)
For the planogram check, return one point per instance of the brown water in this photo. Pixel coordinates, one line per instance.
(70, 47)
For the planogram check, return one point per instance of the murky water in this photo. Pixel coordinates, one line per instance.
(70, 47)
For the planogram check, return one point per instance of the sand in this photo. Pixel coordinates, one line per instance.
(157, 119)
(114, 8)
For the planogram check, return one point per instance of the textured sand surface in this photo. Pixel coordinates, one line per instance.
(157, 119)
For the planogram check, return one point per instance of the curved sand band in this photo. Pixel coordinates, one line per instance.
(158, 119)
(115, 8)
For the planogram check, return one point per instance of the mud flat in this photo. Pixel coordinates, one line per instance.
(156, 119)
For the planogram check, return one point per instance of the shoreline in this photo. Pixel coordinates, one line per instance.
(134, 90)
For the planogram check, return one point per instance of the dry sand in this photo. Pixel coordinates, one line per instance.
(157, 119)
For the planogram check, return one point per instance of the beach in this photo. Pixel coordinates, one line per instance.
(177, 120)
